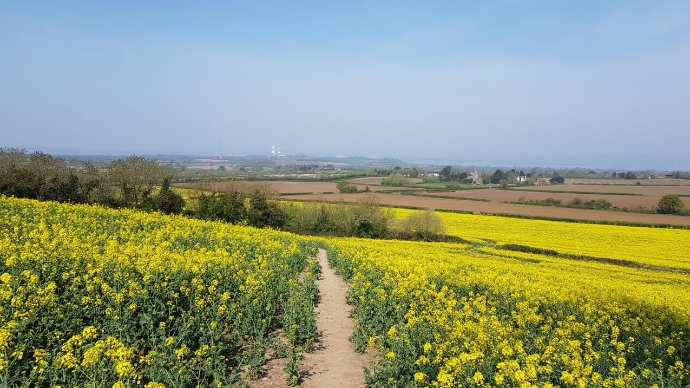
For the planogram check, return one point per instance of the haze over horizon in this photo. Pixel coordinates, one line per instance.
(512, 80)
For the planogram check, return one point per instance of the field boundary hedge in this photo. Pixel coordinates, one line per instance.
(521, 216)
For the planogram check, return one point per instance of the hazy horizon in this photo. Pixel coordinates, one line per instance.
(597, 162)
(586, 84)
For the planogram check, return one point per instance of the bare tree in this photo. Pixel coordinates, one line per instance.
(135, 178)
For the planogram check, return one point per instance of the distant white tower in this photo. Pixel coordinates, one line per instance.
(476, 179)
(273, 151)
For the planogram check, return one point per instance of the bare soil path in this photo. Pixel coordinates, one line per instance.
(334, 362)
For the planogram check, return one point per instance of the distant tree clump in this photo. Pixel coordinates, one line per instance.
(557, 179)
(395, 180)
(44, 177)
(680, 175)
(671, 204)
(346, 187)
(497, 177)
(448, 174)
(445, 173)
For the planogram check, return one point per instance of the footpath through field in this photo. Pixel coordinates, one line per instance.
(334, 362)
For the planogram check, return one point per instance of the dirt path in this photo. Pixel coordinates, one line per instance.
(334, 362)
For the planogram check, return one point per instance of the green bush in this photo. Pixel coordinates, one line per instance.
(346, 187)
(166, 201)
(228, 207)
(423, 226)
(367, 219)
(262, 213)
(671, 204)
(553, 202)
(557, 179)
(602, 204)
(253, 208)
(363, 219)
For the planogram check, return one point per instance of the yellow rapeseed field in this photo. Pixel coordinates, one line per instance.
(653, 246)
(115, 298)
(449, 315)
(97, 297)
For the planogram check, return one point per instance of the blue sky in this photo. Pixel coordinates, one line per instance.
(456, 79)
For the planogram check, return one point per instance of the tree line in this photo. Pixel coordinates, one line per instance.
(126, 182)
(140, 183)
(669, 204)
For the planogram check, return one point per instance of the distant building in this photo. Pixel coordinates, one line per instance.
(543, 181)
(477, 178)
(432, 174)
(521, 178)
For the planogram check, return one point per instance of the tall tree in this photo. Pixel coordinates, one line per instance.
(445, 173)
(497, 177)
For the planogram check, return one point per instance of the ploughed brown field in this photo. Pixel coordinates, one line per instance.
(285, 187)
(291, 187)
(302, 187)
(497, 207)
(515, 195)
(643, 190)
(367, 181)
(629, 182)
